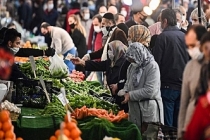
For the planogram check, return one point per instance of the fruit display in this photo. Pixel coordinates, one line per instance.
(27, 44)
(6, 127)
(6, 105)
(77, 76)
(68, 131)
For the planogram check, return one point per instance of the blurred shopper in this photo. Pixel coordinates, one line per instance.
(51, 15)
(179, 20)
(61, 42)
(195, 19)
(102, 10)
(113, 10)
(190, 77)
(119, 18)
(171, 55)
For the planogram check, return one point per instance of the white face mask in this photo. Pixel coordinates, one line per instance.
(86, 16)
(97, 29)
(59, 10)
(183, 19)
(110, 54)
(124, 13)
(102, 14)
(194, 52)
(50, 6)
(134, 64)
(104, 31)
(129, 42)
(14, 50)
(178, 25)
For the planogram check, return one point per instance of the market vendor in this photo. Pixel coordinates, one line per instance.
(61, 42)
(115, 66)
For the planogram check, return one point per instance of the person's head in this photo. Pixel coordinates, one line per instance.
(107, 22)
(45, 28)
(2, 33)
(119, 18)
(50, 5)
(11, 26)
(96, 21)
(102, 10)
(139, 16)
(123, 12)
(205, 46)
(124, 28)
(113, 10)
(192, 39)
(195, 19)
(12, 39)
(178, 18)
(183, 12)
(139, 33)
(74, 22)
(185, 4)
(85, 12)
(168, 18)
(116, 50)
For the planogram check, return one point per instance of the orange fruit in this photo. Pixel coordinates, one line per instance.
(70, 126)
(79, 138)
(66, 132)
(4, 116)
(57, 133)
(6, 126)
(19, 138)
(1, 134)
(9, 134)
(8, 139)
(0, 125)
(53, 138)
(75, 133)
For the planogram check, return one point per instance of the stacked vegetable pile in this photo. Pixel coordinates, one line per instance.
(100, 113)
(68, 131)
(6, 128)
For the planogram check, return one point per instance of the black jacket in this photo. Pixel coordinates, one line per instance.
(170, 52)
(116, 74)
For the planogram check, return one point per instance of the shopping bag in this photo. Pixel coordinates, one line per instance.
(58, 68)
(92, 77)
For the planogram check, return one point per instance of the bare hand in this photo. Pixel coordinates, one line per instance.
(77, 61)
(114, 88)
(127, 98)
(86, 57)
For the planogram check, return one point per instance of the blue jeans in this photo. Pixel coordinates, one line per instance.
(70, 65)
(171, 103)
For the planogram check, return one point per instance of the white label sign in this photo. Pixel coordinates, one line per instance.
(63, 99)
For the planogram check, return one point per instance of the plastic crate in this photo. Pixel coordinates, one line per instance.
(29, 95)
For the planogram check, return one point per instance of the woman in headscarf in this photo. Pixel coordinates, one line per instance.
(115, 67)
(139, 33)
(142, 87)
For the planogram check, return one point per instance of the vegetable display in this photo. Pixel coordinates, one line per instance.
(77, 76)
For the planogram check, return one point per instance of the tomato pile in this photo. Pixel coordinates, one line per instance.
(69, 131)
(6, 127)
(77, 76)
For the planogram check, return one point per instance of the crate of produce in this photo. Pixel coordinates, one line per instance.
(30, 94)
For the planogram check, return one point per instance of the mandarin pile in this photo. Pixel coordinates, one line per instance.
(69, 131)
(6, 127)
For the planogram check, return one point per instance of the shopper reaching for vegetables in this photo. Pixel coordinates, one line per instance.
(115, 66)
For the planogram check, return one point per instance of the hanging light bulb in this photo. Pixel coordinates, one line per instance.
(147, 10)
(154, 4)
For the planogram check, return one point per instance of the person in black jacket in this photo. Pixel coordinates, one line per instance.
(115, 66)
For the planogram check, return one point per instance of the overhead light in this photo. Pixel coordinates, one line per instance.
(154, 4)
(147, 10)
(127, 2)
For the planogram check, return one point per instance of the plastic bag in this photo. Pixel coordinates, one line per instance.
(92, 77)
(58, 68)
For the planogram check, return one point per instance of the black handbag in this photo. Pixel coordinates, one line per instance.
(156, 130)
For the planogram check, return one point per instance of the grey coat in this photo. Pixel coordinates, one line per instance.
(149, 88)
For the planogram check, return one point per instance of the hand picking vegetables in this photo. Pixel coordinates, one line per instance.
(68, 131)
(6, 128)
(100, 113)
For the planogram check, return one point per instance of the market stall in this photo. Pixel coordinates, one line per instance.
(44, 105)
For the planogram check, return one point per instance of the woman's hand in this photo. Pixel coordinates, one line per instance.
(78, 61)
(127, 98)
(114, 88)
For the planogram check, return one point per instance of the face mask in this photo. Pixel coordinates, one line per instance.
(72, 25)
(86, 16)
(97, 29)
(102, 14)
(110, 54)
(178, 25)
(104, 31)
(50, 6)
(59, 10)
(194, 52)
(14, 50)
(183, 19)
(124, 13)
(134, 64)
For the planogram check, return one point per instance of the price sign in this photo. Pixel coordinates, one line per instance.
(63, 99)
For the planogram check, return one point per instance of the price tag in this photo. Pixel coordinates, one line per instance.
(63, 99)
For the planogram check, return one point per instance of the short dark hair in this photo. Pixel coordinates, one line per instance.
(45, 25)
(2, 33)
(10, 35)
(199, 30)
(205, 38)
(116, 16)
(170, 15)
(110, 17)
(99, 17)
(10, 25)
